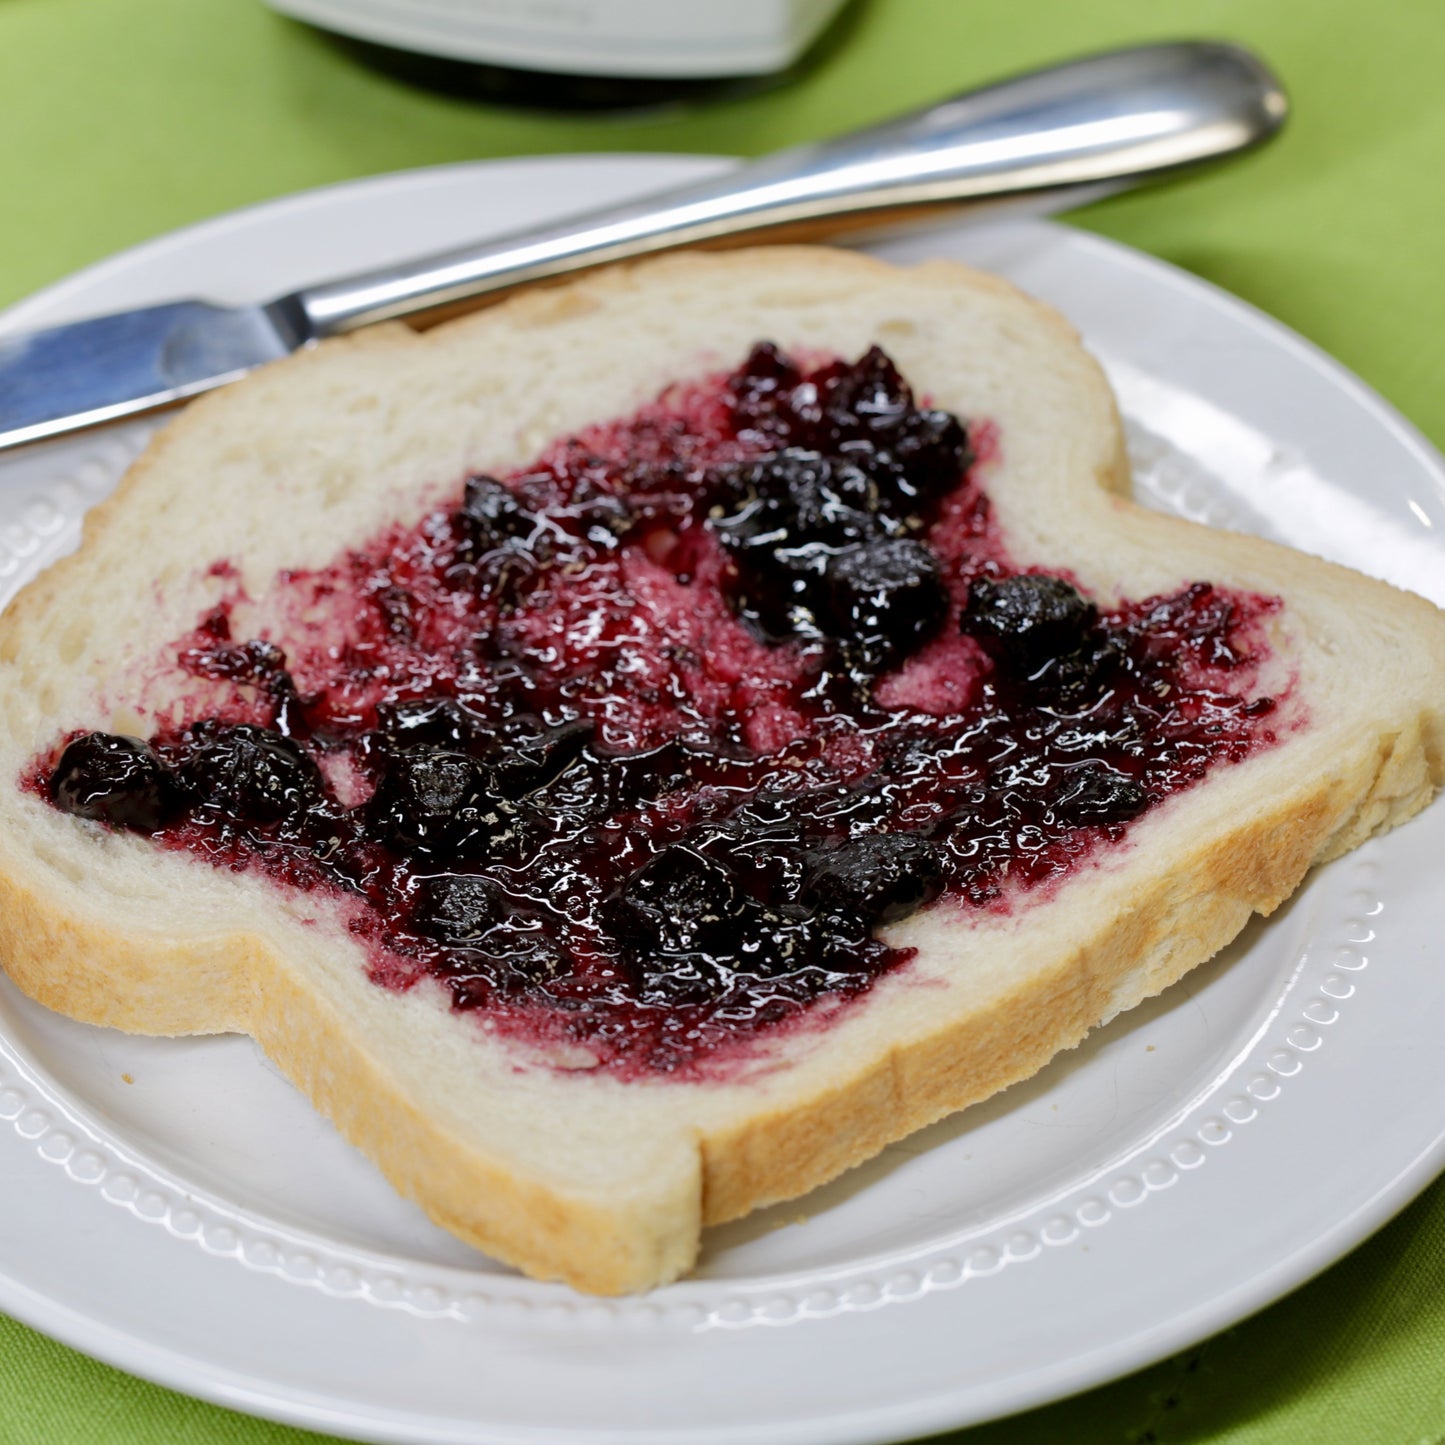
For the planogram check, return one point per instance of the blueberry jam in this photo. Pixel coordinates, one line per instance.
(634, 750)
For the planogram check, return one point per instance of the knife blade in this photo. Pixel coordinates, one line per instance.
(1055, 137)
(99, 370)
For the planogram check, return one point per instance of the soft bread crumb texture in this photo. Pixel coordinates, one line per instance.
(567, 1175)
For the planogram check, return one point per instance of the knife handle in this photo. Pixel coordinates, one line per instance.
(1090, 126)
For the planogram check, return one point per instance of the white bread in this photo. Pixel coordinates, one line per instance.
(579, 1175)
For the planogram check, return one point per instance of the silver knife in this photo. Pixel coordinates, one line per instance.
(1056, 136)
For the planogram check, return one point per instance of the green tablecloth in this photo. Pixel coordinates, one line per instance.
(124, 118)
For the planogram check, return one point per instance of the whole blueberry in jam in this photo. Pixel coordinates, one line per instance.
(885, 598)
(879, 877)
(1030, 618)
(113, 779)
(801, 495)
(1096, 793)
(250, 775)
(684, 900)
(927, 454)
(458, 908)
(431, 800)
(868, 400)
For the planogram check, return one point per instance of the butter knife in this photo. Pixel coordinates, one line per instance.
(1055, 137)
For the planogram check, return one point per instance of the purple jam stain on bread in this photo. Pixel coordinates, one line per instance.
(634, 750)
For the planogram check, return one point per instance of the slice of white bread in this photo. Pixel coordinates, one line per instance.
(580, 1175)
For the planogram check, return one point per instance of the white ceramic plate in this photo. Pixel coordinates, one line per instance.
(175, 1208)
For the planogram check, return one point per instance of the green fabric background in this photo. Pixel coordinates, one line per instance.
(120, 119)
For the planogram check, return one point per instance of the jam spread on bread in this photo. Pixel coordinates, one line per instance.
(634, 751)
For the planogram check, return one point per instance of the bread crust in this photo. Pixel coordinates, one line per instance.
(1138, 918)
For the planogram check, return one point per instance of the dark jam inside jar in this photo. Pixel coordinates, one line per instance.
(635, 750)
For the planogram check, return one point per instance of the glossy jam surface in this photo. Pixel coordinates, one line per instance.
(634, 751)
